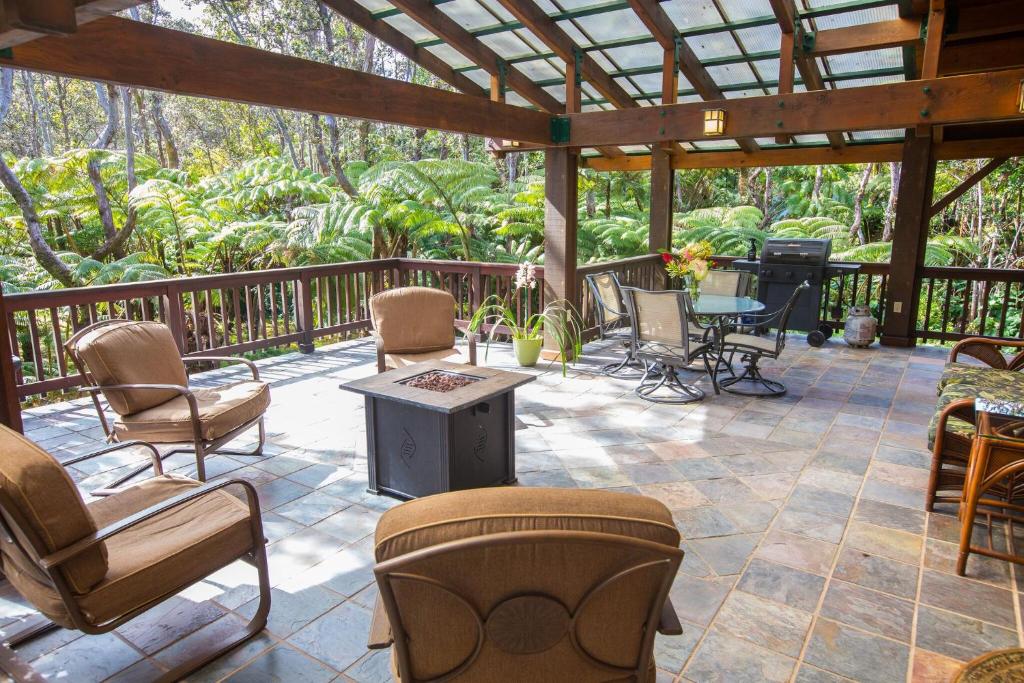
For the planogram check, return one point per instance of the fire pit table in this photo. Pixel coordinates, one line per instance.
(434, 427)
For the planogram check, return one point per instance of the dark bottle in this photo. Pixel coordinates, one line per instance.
(752, 250)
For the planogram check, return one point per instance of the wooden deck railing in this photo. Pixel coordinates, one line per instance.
(244, 312)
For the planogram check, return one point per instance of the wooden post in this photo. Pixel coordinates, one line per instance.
(176, 318)
(662, 173)
(10, 407)
(305, 312)
(560, 222)
(913, 204)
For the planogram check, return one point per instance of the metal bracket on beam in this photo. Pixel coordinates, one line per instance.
(677, 41)
(7, 53)
(804, 42)
(502, 76)
(560, 129)
(577, 59)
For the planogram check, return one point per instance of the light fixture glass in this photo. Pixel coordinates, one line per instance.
(714, 121)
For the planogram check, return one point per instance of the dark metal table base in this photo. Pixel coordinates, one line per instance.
(753, 378)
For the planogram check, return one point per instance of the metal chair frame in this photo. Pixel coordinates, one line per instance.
(662, 361)
(751, 355)
(201, 447)
(630, 364)
(16, 531)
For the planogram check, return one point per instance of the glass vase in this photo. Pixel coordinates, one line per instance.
(692, 286)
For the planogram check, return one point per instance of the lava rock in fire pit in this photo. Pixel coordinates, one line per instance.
(439, 381)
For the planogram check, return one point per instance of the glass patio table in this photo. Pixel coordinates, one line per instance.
(716, 305)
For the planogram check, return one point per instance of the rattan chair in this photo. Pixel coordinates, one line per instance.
(613, 318)
(753, 348)
(726, 283)
(136, 366)
(667, 338)
(525, 584)
(416, 324)
(92, 568)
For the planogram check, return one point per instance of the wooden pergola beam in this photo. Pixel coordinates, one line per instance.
(955, 99)
(874, 36)
(1005, 52)
(434, 20)
(25, 20)
(141, 55)
(786, 15)
(401, 43)
(664, 31)
(965, 185)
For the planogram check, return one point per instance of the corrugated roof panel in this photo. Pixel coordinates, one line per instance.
(375, 5)
(692, 14)
(602, 60)
(889, 58)
(811, 139)
(713, 45)
(409, 27)
(480, 77)
(877, 80)
(627, 86)
(731, 74)
(611, 25)
(856, 18)
(634, 149)
(878, 134)
(650, 83)
(506, 44)
(495, 8)
(539, 70)
(760, 38)
(573, 32)
(468, 14)
(768, 69)
(739, 94)
(636, 56)
(512, 97)
(718, 144)
(450, 55)
(746, 9)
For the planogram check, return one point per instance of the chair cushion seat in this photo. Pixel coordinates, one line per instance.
(401, 360)
(445, 517)
(750, 341)
(221, 410)
(978, 375)
(965, 381)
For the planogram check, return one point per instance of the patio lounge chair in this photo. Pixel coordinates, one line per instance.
(525, 584)
(137, 368)
(667, 338)
(415, 324)
(94, 567)
(612, 314)
(753, 348)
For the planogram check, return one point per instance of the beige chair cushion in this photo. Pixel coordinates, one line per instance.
(48, 500)
(221, 410)
(401, 360)
(133, 352)
(414, 319)
(160, 556)
(447, 517)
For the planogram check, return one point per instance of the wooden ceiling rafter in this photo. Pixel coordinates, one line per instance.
(24, 20)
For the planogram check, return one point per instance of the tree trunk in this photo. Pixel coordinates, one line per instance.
(591, 203)
(819, 175)
(767, 199)
(857, 227)
(465, 147)
(170, 149)
(895, 168)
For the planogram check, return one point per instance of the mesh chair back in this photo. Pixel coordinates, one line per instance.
(726, 283)
(660, 320)
(783, 316)
(608, 305)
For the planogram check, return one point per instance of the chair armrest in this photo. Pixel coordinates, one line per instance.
(224, 359)
(669, 624)
(379, 342)
(987, 351)
(154, 454)
(380, 628)
(77, 548)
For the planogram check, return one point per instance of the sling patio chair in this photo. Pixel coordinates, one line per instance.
(137, 368)
(752, 348)
(668, 338)
(613, 319)
(525, 584)
(726, 283)
(94, 567)
(416, 324)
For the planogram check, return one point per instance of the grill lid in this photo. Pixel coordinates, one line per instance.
(808, 252)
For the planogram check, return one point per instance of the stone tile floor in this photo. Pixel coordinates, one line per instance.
(808, 554)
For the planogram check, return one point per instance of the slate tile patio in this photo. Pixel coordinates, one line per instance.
(809, 556)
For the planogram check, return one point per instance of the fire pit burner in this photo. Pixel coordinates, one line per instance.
(439, 380)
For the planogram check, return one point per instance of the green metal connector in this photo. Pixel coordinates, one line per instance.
(577, 58)
(560, 129)
(7, 53)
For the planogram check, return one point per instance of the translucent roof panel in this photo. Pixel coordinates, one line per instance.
(450, 55)
(506, 44)
(375, 5)
(855, 62)
(730, 74)
(610, 25)
(539, 70)
(692, 14)
(409, 27)
(760, 38)
(469, 14)
(745, 9)
(855, 18)
(635, 56)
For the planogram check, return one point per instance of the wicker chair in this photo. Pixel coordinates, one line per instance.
(613, 317)
(564, 585)
(668, 338)
(753, 348)
(137, 368)
(416, 324)
(94, 567)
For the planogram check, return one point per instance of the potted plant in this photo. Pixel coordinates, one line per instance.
(691, 265)
(558, 319)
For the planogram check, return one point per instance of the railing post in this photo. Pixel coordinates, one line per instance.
(476, 290)
(10, 406)
(306, 312)
(175, 317)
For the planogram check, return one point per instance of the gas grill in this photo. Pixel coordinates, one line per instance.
(784, 264)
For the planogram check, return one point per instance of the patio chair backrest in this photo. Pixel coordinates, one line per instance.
(726, 283)
(414, 319)
(129, 352)
(660, 319)
(558, 587)
(41, 512)
(608, 304)
(783, 316)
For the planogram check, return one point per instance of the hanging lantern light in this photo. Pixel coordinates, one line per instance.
(714, 122)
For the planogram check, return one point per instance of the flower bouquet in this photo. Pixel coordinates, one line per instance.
(691, 265)
(558, 319)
